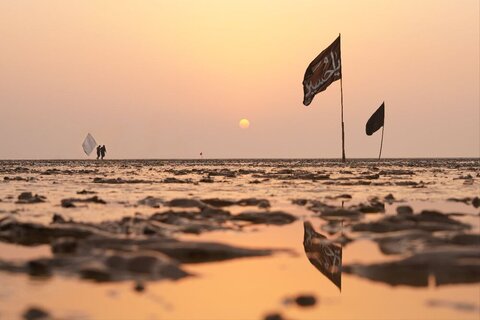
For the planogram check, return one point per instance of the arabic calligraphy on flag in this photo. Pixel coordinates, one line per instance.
(323, 254)
(322, 71)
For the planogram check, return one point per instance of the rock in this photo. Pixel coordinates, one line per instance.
(207, 180)
(464, 200)
(196, 252)
(116, 262)
(465, 239)
(64, 246)
(118, 180)
(28, 233)
(216, 202)
(373, 207)
(191, 221)
(39, 268)
(28, 197)
(305, 300)
(217, 213)
(142, 264)
(396, 172)
(175, 180)
(369, 177)
(319, 207)
(341, 196)
(151, 202)
(84, 191)
(35, 313)
(406, 183)
(58, 218)
(139, 286)
(449, 265)
(273, 316)
(351, 183)
(476, 202)
(186, 203)
(404, 210)
(18, 178)
(339, 214)
(261, 203)
(69, 203)
(273, 217)
(389, 198)
(426, 220)
(300, 202)
(96, 273)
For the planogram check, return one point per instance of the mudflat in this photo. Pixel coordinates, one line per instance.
(240, 239)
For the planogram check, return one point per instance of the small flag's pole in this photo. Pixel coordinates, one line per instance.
(381, 143)
(343, 124)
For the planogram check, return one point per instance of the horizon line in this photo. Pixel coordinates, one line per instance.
(260, 158)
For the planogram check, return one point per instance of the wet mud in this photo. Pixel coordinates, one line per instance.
(133, 221)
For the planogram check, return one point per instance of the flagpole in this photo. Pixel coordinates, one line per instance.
(343, 124)
(381, 143)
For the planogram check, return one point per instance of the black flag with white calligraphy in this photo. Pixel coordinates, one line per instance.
(322, 71)
(376, 121)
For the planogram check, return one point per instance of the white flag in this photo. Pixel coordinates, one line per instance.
(89, 144)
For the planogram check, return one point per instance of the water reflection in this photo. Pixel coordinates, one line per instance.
(323, 254)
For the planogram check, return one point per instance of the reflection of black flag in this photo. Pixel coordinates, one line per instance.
(322, 71)
(376, 120)
(323, 254)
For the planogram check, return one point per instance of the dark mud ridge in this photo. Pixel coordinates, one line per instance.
(135, 248)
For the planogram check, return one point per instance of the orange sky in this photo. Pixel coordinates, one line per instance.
(168, 79)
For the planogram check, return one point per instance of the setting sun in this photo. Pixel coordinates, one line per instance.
(244, 123)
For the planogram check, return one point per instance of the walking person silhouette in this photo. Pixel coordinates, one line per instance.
(99, 147)
(103, 150)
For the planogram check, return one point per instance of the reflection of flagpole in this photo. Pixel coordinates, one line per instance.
(381, 143)
(341, 93)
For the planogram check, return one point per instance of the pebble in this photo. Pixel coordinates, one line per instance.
(28, 197)
(35, 313)
(274, 316)
(306, 300)
(404, 210)
(139, 286)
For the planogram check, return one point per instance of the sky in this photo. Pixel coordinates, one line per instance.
(171, 79)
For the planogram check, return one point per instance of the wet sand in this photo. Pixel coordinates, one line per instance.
(240, 239)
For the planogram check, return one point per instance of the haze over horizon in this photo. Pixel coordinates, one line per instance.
(173, 79)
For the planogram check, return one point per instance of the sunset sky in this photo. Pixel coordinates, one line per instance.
(171, 79)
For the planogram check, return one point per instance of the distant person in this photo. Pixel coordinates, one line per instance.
(103, 150)
(99, 147)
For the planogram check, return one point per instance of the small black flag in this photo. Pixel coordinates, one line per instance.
(322, 71)
(376, 120)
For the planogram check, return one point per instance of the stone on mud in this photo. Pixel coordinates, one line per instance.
(269, 217)
(28, 198)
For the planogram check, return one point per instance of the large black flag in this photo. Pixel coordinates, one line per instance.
(376, 120)
(322, 71)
